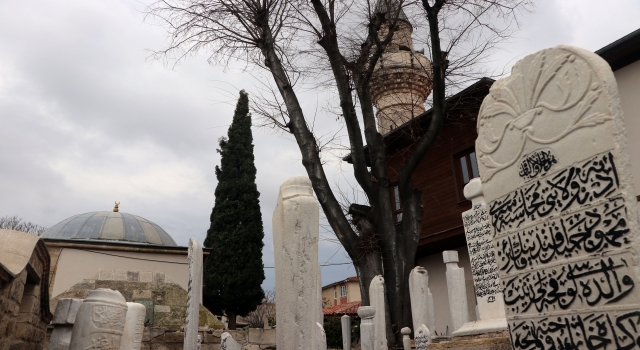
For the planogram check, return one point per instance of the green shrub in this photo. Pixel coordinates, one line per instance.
(333, 330)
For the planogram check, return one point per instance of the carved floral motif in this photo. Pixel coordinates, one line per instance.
(545, 86)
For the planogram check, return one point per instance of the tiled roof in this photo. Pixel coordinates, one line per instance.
(348, 279)
(350, 309)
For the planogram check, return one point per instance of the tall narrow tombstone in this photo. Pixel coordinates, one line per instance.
(228, 343)
(422, 308)
(367, 328)
(406, 339)
(296, 224)
(99, 323)
(377, 297)
(552, 155)
(345, 321)
(321, 337)
(422, 337)
(63, 320)
(133, 327)
(194, 295)
(456, 290)
(484, 268)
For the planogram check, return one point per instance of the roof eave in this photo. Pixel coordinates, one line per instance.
(623, 51)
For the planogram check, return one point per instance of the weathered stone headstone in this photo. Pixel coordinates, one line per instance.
(556, 176)
(367, 329)
(99, 323)
(265, 322)
(422, 308)
(456, 289)
(422, 337)
(296, 225)
(484, 268)
(345, 322)
(133, 327)
(321, 337)
(406, 338)
(228, 343)
(194, 295)
(63, 320)
(377, 297)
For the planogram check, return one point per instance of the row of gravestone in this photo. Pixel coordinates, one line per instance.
(552, 233)
(104, 320)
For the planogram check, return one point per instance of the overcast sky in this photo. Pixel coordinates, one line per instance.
(88, 119)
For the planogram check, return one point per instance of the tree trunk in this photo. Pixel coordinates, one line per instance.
(232, 320)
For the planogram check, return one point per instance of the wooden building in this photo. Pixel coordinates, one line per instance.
(447, 166)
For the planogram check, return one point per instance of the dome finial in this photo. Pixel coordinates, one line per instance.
(115, 209)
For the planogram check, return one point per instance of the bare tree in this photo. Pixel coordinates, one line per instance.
(17, 224)
(335, 45)
(266, 309)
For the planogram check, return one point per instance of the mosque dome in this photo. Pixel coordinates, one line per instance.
(111, 226)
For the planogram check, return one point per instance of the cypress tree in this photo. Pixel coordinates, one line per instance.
(234, 272)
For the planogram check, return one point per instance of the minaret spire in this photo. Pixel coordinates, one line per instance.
(401, 80)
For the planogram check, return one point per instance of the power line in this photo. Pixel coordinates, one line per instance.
(181, 263)
(347, 263)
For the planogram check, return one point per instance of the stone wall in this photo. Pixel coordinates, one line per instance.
(22, 325)
(487, 341)
(165, 300)
(254, 339)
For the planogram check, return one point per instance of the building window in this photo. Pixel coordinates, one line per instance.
(467, 168)
(397, 207)
(335, 293)
(343, 291)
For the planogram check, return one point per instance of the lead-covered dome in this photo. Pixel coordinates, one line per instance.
(110, 226)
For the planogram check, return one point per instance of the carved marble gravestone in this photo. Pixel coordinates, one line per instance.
(484, 268)
(194, 295)
(556, 176)
(296, 225)
(228, 343)
(377, 298)
(422, 337)
(100, 321)
(63, 320)
(422, 308)
(133, 327)
(367, 328)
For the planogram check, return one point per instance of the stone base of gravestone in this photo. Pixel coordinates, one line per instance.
(486, 341)
(482, 326)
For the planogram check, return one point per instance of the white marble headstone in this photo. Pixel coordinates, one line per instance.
(345, 323)
(133, 327)
(63, 320)
(422, 337)
(228, 343)
(456, 289)
(553, 160)
(321, 337)
(367, 329)
(406, 338)
(194, 295)
(296, 225)
(100, 321)
(377, 297)
(422, 308)
(484, 268)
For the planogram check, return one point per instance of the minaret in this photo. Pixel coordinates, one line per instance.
(401, 80)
